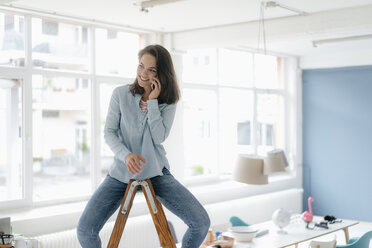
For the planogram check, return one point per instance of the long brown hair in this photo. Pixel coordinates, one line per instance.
(170, 92)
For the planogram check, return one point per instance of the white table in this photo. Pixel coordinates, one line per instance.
(296, 233)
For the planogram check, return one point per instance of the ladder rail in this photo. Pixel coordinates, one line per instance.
(121, 219)
(159, 219)
(156, 210)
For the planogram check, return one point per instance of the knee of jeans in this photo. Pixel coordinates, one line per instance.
(202, 223)
(84, 232)
(81, 232)
(205, 224)
(86, 237)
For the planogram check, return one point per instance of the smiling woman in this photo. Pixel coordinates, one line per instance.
(136, 138)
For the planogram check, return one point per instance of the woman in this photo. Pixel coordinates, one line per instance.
(139, 119)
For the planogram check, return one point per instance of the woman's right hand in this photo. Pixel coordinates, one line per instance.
(155, 92)
(133, 162)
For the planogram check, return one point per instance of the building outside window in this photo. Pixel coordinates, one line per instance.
(61, 118)
(49, 27)
(59, 45)
(12, 37)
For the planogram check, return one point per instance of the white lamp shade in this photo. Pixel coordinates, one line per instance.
(249, 170)
(275, 162)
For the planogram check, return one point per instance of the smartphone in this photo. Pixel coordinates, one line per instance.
(152, 85)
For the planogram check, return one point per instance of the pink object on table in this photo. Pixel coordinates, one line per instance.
(308, 215)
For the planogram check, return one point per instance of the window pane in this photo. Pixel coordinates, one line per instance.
(200, 132)
(58, 45)
(235, 68)
(107, 156)
(61, 137)
(270, 119)
(236, 115)
(116, 52)
(200, 66)
(11, 173)
(267, 71)
(12, 36)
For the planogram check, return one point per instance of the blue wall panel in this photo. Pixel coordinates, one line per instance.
(337, 141)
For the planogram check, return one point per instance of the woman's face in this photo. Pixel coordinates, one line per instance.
(146, 70)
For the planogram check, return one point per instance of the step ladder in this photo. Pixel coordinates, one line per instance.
(156, 210)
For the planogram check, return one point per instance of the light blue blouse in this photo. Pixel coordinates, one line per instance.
(129, 130)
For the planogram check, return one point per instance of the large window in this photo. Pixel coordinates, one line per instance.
(61, 97)
(53, 107)
(234, 104)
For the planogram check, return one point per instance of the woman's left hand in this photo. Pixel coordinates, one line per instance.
(157, 88)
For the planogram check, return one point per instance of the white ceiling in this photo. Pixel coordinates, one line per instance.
(187, 14)
(181, 15)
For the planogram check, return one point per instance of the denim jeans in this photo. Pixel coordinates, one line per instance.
(173, 195)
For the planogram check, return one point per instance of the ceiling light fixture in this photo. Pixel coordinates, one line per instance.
(316, 43)
(261, 28)
(273, 4)
(146, 4)
(261, 22)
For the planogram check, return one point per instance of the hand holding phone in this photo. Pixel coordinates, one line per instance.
(155, 88)
(153, 84)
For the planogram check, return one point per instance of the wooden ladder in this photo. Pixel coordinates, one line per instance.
(156, 210)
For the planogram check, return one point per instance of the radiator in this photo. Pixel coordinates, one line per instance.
(139, 232)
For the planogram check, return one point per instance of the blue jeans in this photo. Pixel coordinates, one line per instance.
(173, 195)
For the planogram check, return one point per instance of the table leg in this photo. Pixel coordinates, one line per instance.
(346, 231)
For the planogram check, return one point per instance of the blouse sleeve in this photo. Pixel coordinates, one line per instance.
(112, 128)
(160, 122)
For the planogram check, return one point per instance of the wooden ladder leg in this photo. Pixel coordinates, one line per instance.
(123, 214)
(158, 216)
